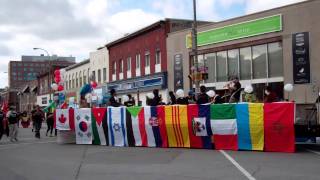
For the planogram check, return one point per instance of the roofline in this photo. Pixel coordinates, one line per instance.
(78, 64)
(246, 15)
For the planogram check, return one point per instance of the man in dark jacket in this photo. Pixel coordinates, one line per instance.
(12, 116)
(113, 101)
(156, 99)
(203, 98)
(37, 117)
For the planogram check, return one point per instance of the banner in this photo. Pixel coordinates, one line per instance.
(176, 118)
(224, 126)
(100, 126)
(117, 126)
(83, 126)
(199, 126)
(250, 126)
(279, 127)
(64, 119)
(301, 61)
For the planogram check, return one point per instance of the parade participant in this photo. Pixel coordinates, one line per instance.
(203, 98)
(191, 98)
(50, 122)
(173, 99)
(113, 101)
(25, 119)
(270, 96)
(249, 95)
(181, 99)
(129, 101)
(156, 99)
(235, 91)
(12, 116)
(2, 116)
(37, 117)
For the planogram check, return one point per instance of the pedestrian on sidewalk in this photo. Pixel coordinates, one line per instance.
(2, 116)
(37, 117)
(50, 121)
(12, 116)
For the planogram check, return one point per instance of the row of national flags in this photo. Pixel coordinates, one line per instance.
(243, 126)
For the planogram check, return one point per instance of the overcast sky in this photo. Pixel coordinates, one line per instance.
(76, 27)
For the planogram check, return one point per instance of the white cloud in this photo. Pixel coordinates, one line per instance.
(260, 5)
(206, 10)
(228, 3)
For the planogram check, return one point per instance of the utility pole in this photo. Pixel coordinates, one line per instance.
(194, 46)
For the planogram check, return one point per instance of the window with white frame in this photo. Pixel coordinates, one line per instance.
(147, 59)
(121, 66)
(158, 56)
(129, 64)
(138, 62)
(114, 69)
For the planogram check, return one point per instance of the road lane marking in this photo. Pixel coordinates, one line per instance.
(312, 151)
(237, 165)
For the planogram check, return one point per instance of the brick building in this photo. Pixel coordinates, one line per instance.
(138, 61)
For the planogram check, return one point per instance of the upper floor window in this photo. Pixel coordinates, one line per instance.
(147, 59)
(99, 75)
(138, 62)
(129, 64)
(158, 56)
(121, 66)
(114, 68)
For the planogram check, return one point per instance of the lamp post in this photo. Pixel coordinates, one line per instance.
(194, 44)
(50, 79)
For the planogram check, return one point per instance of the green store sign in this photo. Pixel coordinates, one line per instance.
(238, 31)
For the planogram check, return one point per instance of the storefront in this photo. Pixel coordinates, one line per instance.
(273, 48)
(140, 86)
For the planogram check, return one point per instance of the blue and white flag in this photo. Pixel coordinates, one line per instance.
(117, 126)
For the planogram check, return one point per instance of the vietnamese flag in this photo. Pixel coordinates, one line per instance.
(279, 127)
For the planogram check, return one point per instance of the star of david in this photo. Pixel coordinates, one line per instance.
(116, 127)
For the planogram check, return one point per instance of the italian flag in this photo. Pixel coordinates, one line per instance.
(224, 126)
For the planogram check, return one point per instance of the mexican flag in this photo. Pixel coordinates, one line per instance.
(199, 126)
(99, 126)
(83, 126)
(224, 126)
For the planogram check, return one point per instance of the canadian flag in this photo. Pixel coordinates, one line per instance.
(64, 119)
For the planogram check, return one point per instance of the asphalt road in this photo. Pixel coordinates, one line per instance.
(34, 159)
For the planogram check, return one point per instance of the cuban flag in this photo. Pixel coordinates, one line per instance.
(117, 126)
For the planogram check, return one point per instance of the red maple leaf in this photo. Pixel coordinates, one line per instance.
(62, 119)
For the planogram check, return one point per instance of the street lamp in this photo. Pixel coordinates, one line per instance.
(50, 79)
(194, 44)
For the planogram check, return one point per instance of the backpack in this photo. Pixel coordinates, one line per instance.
(13, 117)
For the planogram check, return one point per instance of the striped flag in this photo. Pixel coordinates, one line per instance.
(224, 126)
(176, 119)
(135, 121)
(279, 127)
(83, 126)
(99, 126)
(199, 126)
(117, 126)
(64, 119)
(250, 126)
(162, 126)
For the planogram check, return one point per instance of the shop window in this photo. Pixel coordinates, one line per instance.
(275, 59)
(138, 62)
(99, 75)
(259, 61)
(210, 61)
(104, 74)
(222, 66)
(245, 63)
(233, 59)
(129, 64)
